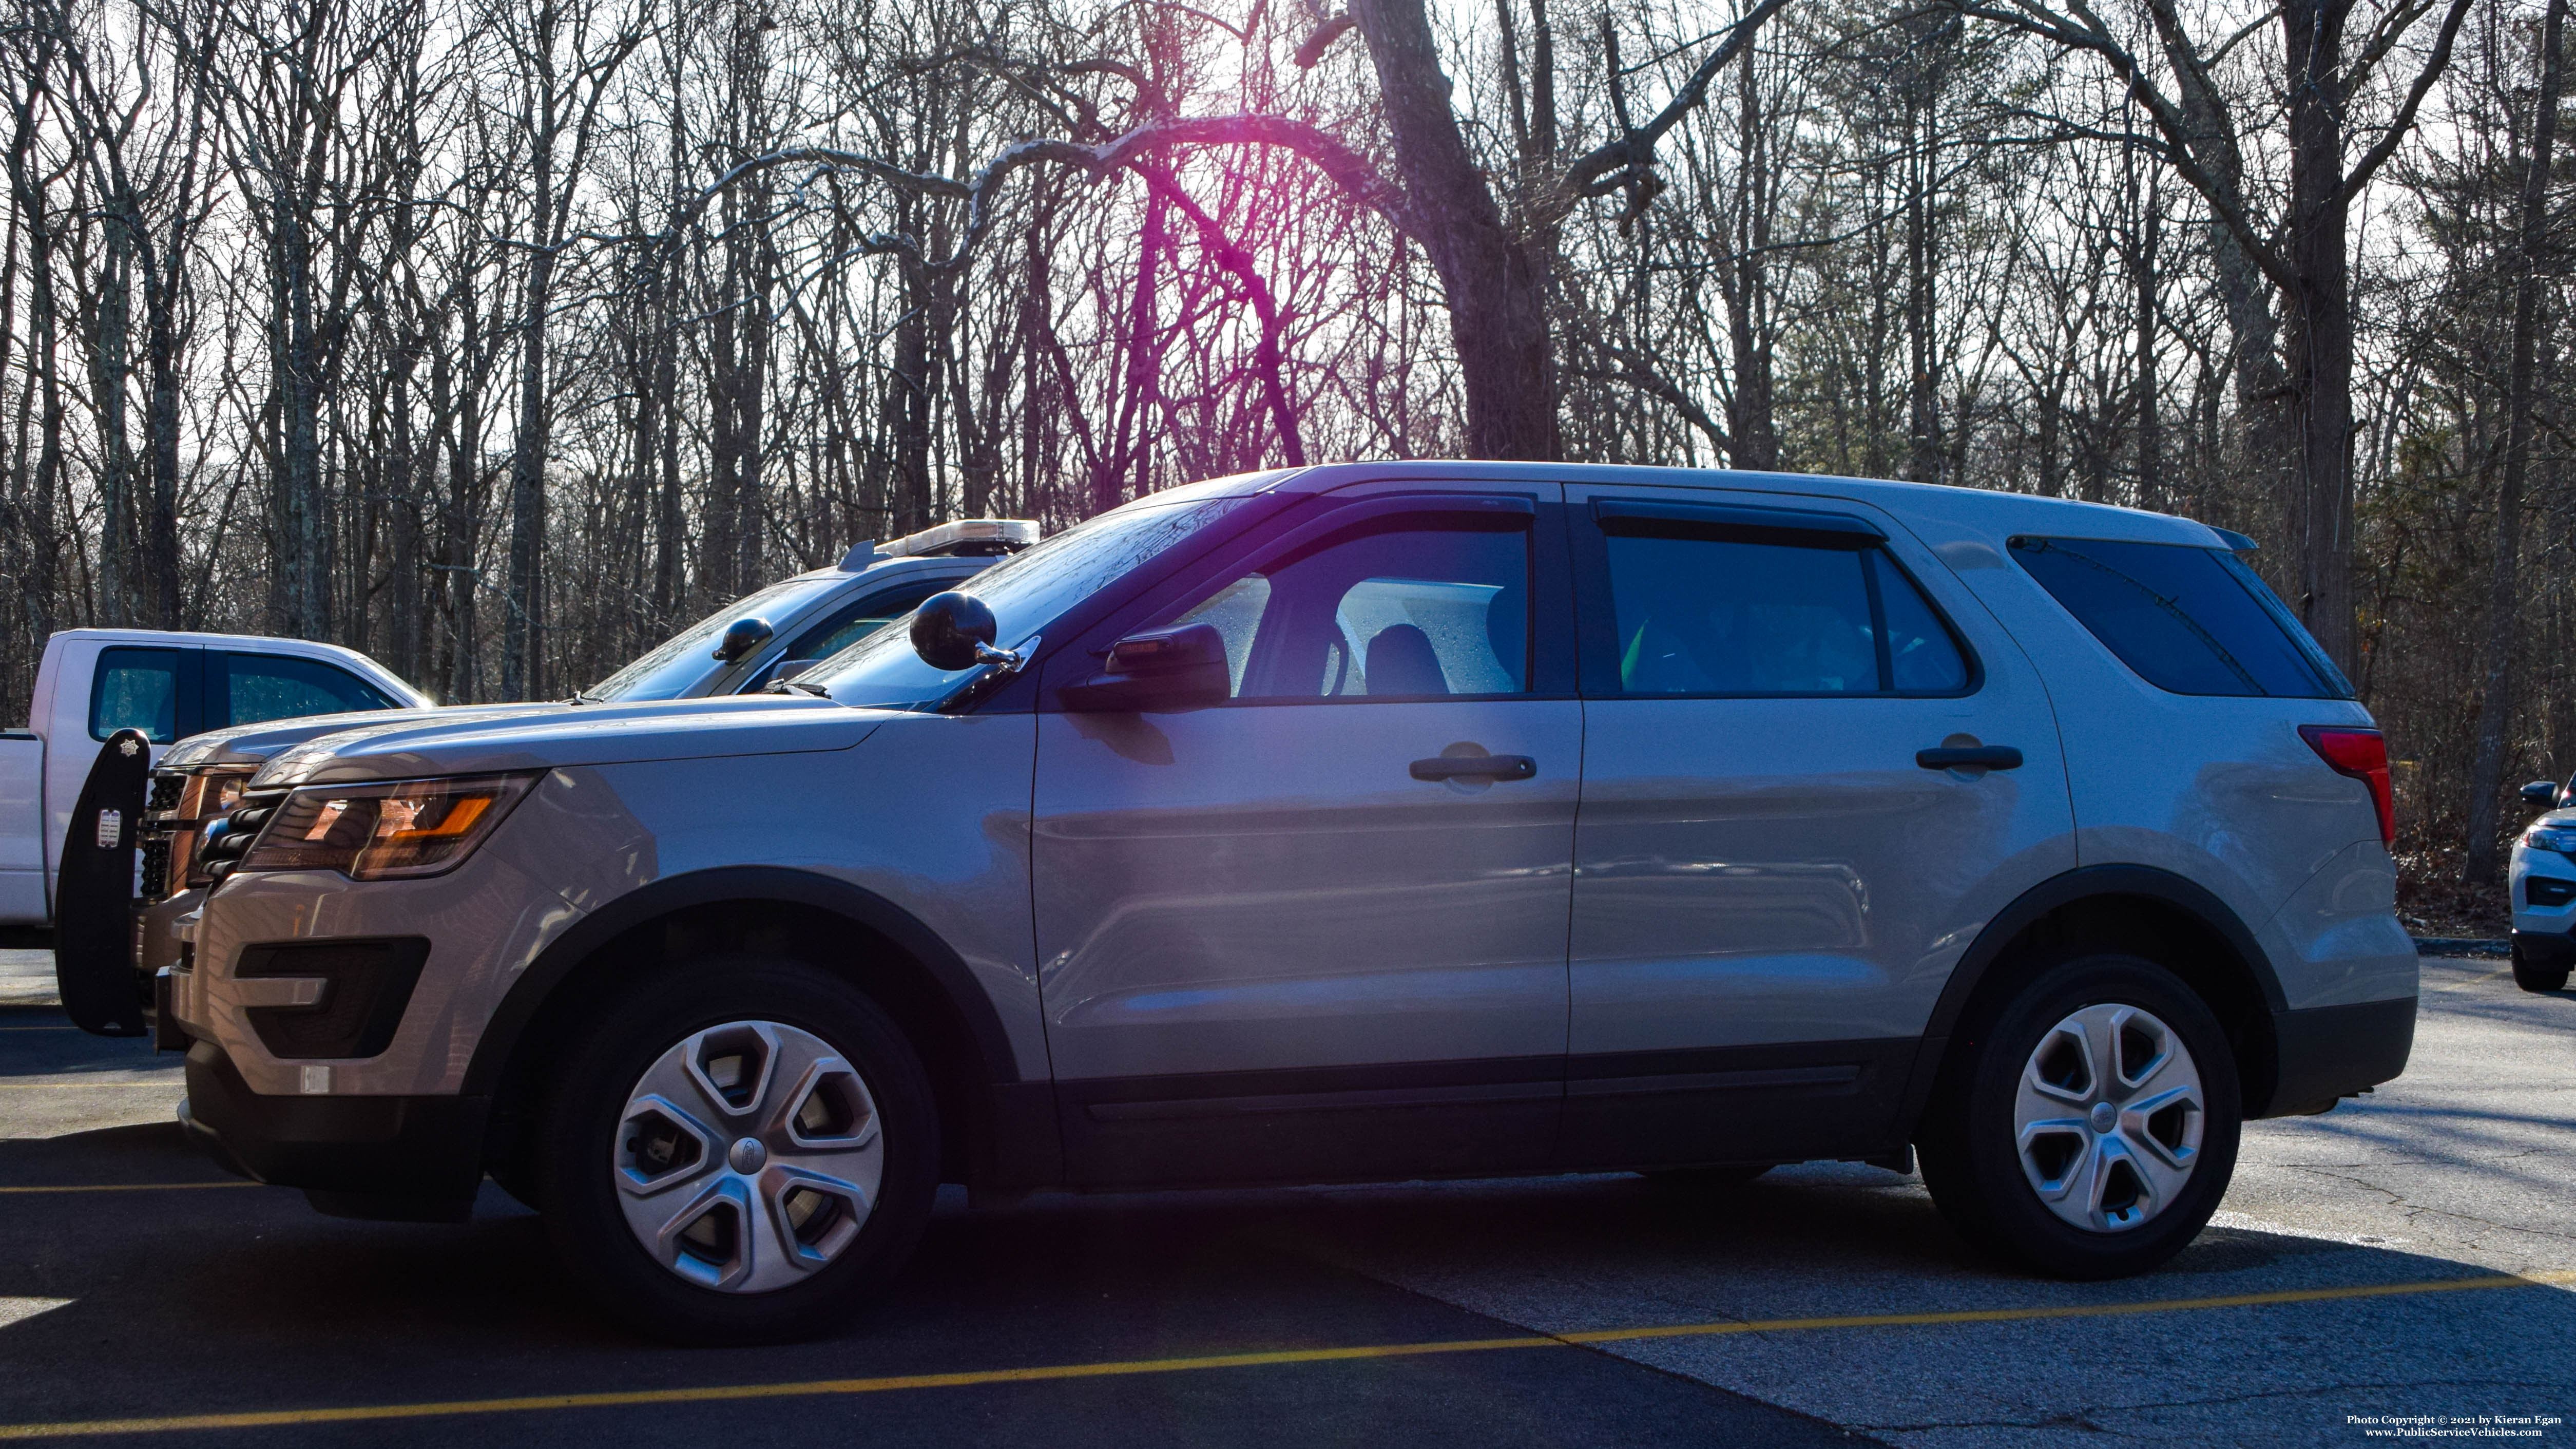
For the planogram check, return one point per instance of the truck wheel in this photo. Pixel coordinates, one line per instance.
(2086, 1129)
(738, 1152)
(2531, 975)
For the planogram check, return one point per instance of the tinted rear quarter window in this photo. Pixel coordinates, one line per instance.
(2189, 620)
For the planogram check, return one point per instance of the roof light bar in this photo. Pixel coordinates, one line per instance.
(963, 537)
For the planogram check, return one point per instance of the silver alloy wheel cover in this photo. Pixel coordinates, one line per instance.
(794, 1111)
(2110, 1151)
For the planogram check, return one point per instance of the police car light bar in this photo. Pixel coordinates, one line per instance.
(961, 537)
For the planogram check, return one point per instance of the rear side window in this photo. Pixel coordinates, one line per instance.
(1720, 616)
(136, 689)
(2188, 620)
(260, 687)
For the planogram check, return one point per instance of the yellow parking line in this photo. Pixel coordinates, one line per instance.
(130, 1186)
(720, 1393)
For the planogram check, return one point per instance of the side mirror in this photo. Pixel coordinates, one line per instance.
(1163, 671)
(741, 637)
(2541, 794)
(950, 630)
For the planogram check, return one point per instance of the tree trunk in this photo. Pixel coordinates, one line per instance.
(2504, 596)
(1495, 286)
(1750, 425)
(1128, 448)
(2321, 331)
(110, 367)
(1920, 170)
(2151, 489)
(161, 440)
(521, 630)
(300, 593)
(401, 504)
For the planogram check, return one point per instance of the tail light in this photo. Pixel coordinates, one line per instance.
(2363, 755)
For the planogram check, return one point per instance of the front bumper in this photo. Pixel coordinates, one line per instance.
(348, 1152)
(2547, 950)
(2330, 1052)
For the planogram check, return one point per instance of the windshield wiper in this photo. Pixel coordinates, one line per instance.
(781, 686)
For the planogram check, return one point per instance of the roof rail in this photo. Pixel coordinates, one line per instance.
(959, 538)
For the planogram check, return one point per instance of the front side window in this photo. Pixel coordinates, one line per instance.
(1735, 616)
(1408, 612)
(2187, 619)
(275, 686)
(136, 689)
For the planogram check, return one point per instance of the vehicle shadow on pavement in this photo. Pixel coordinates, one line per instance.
(243, 1300)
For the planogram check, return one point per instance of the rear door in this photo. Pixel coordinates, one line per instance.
(1772, 882)
(1318, 931)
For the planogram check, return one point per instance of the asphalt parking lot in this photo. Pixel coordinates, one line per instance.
(2411, 1254)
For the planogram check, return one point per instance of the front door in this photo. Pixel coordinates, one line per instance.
(1772, 879)
(1318, 931)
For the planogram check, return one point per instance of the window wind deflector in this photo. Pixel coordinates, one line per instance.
(1736, 523)
(1497, 511)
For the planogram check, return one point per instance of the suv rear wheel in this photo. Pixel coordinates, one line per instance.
(737, 1151)
(2089, 1129)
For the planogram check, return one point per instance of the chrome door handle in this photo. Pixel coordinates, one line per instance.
(1488, 767)
(1988, 757)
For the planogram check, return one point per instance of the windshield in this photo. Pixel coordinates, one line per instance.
(689, 656)
(1026, 593)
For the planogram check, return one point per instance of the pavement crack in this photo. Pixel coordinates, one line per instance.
(2415, 1210)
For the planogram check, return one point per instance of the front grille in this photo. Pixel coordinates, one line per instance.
(167, 787)
(246, 819)
(156, 866)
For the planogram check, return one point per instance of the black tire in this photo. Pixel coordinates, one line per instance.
(579, 1121)
(1972, 1161)
(2530, 975)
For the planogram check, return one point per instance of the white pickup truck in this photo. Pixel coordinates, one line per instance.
(168, 685)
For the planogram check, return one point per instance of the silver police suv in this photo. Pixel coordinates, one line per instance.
(1354, 822)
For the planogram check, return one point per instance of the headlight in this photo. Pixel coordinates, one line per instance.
(382, 832)
(2561, 838)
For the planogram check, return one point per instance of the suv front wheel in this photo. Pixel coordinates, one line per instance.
(737, 1151)
(2089, 1128)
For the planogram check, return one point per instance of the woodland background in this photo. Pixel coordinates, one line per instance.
(497, 338)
